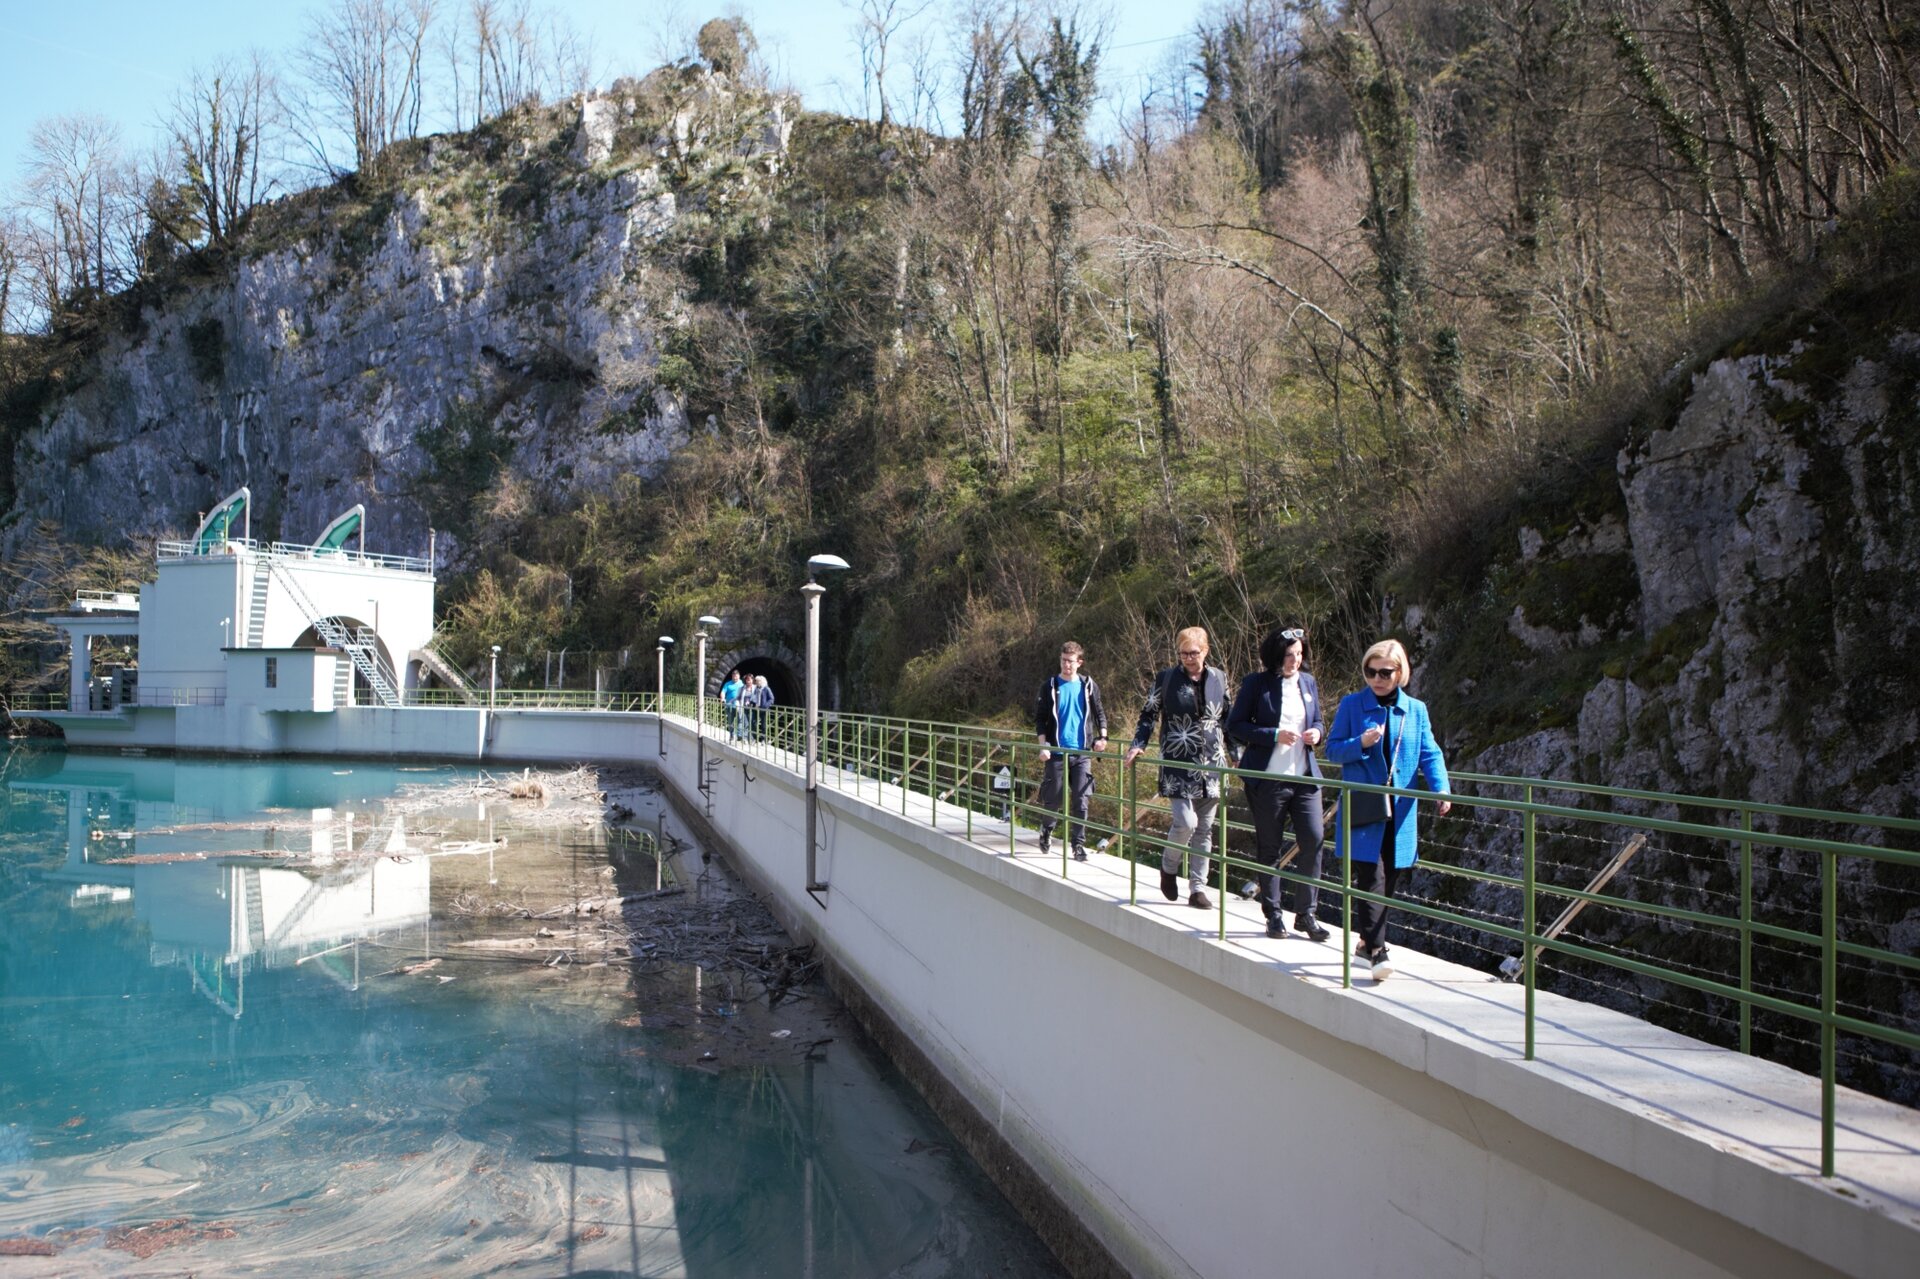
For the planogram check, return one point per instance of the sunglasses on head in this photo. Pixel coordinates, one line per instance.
(1294, 634)
(1382, 672)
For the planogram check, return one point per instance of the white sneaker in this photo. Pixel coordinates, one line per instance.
(1382, 965)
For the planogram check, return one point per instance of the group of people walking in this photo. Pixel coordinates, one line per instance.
(744, 697)
(1381, 735)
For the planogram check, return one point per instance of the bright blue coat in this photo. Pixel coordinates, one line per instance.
(1418, 755)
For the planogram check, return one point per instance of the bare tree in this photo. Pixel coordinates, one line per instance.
(876, 23)
(13, 261)
(219, 127)
(77, 186)
(502, 53)
(365, 67)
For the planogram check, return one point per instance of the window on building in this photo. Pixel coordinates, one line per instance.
(273, 672)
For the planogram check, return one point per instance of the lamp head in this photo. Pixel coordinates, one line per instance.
(708, 619)
(496, 648)
(824, 563)
(666, 641)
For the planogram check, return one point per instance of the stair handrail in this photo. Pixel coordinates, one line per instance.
(337, 636)
(448, 672)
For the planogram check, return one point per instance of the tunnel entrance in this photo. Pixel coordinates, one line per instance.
(780, 668)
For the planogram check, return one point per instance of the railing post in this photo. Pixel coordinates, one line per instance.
(1220, 821)
(1829, 971)
(1346, 886)
(1528, 956)
(1133, 832)
(965, 779)
(1013, 789)
(1746, 931)
(1066, 806)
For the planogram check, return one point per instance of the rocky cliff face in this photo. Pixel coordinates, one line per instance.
(1746, 594)
(524, 273)
(1731, 612)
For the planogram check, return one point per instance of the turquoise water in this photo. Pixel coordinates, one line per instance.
(235, 1043)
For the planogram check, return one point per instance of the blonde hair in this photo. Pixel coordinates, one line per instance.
(1192, 634)
(1389, 650)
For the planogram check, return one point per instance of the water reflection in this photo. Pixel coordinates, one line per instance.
(239, 1039)
(188, 847)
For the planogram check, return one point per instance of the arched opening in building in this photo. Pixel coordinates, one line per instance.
(362, 692)
(788, 690)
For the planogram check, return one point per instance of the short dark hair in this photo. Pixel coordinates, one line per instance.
(1274, 647)
(1071, 649)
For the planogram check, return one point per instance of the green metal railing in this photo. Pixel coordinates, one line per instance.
(514, 699)
(947, 773)
(28, 703)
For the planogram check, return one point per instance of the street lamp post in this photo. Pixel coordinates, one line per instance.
(700, 701)
(812, 592)
(660, 702)
(493, 676)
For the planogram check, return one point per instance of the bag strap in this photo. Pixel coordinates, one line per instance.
(1393, 765)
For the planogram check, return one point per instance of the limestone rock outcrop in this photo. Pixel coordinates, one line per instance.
(522, 273)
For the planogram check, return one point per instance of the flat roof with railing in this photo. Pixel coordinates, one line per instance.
(170, 551)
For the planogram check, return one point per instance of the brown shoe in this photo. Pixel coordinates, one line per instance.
(1199, 900)
(1169, 886)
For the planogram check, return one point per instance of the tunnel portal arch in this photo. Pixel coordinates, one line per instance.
(782, 667)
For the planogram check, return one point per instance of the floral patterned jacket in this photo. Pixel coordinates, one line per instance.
(1191, 714)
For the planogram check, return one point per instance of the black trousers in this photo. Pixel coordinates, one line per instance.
(1079, 771)
(1370, 918)
(1274, 804)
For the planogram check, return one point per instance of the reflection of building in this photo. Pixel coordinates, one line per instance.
(224, 914)
(233, 634)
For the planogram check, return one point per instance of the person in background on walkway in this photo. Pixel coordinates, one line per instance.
(1068, 715)
(1383, 737)
(1189, 702)
(749, 707)
(760, 697)
(730, 696)
(1276, 717)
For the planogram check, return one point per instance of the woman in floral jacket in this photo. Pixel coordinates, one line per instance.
(1189, 702)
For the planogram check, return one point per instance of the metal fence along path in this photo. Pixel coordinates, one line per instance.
(1761, 945)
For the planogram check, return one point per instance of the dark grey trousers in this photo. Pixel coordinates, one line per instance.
(1079, 771)
(1276, 803)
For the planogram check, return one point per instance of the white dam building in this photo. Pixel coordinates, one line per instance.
(237, 639)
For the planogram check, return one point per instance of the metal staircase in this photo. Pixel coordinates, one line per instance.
(359, 645)
(257, 604)
(256, 913)
(371, 849)
(448, 674)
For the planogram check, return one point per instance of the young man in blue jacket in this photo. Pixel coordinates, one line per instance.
(1068, 716)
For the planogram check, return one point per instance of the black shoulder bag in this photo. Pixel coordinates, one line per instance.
(1368, 808)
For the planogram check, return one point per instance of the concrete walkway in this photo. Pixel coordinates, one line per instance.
(1446, 1018)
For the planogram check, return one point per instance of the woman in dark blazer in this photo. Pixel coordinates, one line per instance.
(1276, 716)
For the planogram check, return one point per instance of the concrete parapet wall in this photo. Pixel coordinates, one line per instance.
(1204, 1113)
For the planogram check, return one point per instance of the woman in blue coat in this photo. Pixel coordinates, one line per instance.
(1383, 737)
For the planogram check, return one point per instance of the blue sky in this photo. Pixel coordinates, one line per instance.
(123, 59)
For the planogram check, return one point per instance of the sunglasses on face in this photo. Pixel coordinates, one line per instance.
(1382, 672)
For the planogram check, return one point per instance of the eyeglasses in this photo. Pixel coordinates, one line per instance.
(1382, 672)
(1295, 633)
(1193, 652)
